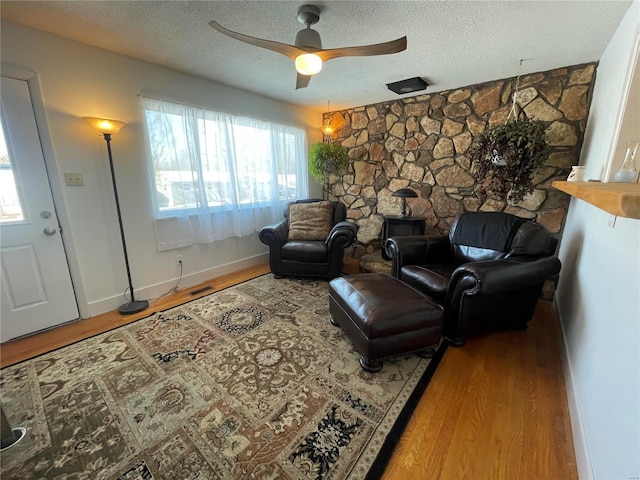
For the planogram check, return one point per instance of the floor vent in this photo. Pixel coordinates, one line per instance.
(204, 289)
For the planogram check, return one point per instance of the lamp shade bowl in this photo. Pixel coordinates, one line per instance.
(105, 125)
(404, 193)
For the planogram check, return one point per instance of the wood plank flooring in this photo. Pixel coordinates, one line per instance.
(495, 409)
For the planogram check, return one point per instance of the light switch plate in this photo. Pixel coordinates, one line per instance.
(73, 179)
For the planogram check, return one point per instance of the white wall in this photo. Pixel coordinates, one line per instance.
(598, 294)
(77, 80)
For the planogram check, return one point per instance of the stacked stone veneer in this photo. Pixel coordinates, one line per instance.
(421, 142)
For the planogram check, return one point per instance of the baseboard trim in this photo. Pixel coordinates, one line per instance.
(155, 291)
(580, 444)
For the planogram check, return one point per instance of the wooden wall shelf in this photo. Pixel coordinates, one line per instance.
(620, 199)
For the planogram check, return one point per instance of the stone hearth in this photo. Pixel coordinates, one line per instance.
(373, 262)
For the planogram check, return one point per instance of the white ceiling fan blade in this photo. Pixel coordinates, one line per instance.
(385, 48)
(287, 50)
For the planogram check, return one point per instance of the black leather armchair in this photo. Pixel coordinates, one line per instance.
(309, 258)
(487, 273)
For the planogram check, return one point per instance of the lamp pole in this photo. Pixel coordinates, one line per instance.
(134, 306)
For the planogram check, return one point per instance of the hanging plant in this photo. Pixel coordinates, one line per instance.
(327, 159)
(505, 158)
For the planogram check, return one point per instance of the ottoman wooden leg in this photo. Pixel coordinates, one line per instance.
(455, 341)
(427, 352)
(370, 365)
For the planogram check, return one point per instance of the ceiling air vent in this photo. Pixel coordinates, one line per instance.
(407, 86)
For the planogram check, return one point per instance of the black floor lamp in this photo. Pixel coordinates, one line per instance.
(107, 128)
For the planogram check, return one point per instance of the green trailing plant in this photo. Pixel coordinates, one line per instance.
(505, 157)
(327, 159)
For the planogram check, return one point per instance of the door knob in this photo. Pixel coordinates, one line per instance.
(49, 231)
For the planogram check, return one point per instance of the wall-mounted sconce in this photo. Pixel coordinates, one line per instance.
(327, 129)
(405, 193)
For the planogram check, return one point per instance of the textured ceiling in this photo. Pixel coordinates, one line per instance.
(450, 43)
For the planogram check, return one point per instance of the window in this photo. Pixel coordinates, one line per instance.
(10, 209)
(217, 175)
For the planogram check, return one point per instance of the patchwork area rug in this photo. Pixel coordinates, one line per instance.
(249, 382)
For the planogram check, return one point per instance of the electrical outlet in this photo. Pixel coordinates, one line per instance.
(612, 221)
(73, 179)
(179, 259)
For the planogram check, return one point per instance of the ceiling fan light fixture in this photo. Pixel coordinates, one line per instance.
(308, 64)
(307, 53)
(407, 86)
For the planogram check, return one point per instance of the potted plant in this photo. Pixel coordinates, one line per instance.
(505, 157)
(327, 159)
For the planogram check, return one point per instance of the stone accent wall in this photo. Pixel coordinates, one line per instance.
(421, 142)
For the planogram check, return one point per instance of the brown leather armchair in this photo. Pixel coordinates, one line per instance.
(487, 273)
(309, 258)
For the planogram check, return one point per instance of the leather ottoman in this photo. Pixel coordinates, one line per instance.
(384, 317)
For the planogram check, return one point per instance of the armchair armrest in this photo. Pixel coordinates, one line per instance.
(504, 275)
(417, 250)
(274, 235)
(342, 235)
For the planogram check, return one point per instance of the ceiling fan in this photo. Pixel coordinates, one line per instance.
(307, 53)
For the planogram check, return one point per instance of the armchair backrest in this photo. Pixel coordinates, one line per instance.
(339, 213)
(477, 236)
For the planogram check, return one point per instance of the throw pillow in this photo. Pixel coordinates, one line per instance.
(310, 221)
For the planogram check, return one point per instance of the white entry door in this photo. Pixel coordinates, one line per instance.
(35, 285)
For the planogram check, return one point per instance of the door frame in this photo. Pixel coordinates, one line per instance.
(54, 177)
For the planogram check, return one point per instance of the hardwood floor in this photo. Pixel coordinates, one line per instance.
(495, 409)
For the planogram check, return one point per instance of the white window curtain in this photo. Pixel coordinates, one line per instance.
(217, 175)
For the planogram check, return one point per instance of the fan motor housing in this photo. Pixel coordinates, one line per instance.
(308, 37)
